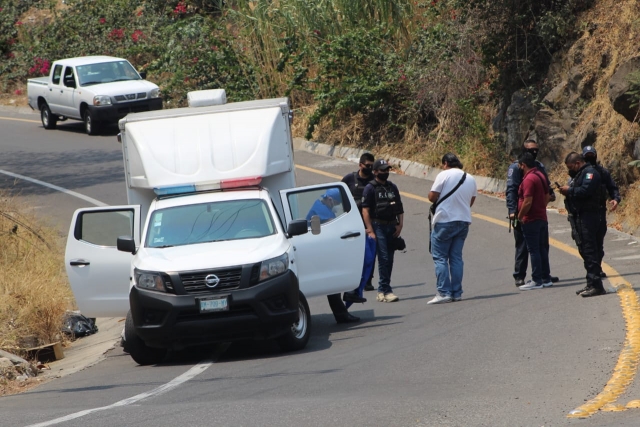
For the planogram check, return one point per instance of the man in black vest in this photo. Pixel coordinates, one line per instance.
(383, 216)
(582, 200)
(357, 181)
(591, 156)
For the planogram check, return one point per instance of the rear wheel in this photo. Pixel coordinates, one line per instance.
(137, 349)
(91, 126)
(49, 121)
(298, 335)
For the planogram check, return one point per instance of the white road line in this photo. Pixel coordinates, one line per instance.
(55, 187)
(193, 372)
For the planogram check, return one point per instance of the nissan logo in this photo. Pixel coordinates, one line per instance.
(211, 281)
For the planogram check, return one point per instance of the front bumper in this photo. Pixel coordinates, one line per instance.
(114, 112)
(263, 311)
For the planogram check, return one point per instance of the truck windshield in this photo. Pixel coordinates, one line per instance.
(209, 222)
(106, 72)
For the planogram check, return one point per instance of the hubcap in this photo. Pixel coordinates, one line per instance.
(299, 328)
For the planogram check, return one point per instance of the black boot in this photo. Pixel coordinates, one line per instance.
(346, 317)
(554, 279)
(353, 297)
(578, 292)
(592, 292)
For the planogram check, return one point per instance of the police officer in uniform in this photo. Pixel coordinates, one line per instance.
(514, 179)
(583, 200)
(356, 182)
(591, 156)
(383, 216)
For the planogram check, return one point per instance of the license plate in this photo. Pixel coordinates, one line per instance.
(213, 304)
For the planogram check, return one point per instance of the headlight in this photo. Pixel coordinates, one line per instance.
(149, 280)
(155, 93)
(274, 267)
(101, 100)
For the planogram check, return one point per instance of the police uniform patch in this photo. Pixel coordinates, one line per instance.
(589, 176)
(510, 172)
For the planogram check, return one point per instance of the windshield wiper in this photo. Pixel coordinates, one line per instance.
(164, 246)
(89, 83)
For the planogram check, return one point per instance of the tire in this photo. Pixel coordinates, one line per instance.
(49, 121)
(91, 126)
(137, 349)
(298, 335)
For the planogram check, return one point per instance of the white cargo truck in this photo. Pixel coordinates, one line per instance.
(216, 244)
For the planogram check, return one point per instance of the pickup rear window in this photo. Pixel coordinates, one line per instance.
(209, 222)
(106, 72)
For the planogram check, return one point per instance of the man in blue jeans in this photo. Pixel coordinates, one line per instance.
(533, 196)
(383, 217)
(453, 193)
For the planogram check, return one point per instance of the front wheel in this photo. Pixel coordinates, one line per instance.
(298, 335)
(49, 121)
(137, 349)
(91, 126)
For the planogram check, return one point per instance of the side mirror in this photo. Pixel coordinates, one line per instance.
(126, 244)
(143, 74)
(297, 227)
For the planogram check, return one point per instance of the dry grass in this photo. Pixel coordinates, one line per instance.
(34, 292)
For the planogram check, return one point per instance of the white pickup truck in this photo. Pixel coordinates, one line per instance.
(94, 89)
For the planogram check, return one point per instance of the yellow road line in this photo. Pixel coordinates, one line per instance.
(20, 120)
(625, 370)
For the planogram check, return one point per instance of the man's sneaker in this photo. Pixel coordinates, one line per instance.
(530, 285)
(380, 297)
(439, 299)
(547, 284)
(353, 297)
(554, 279)
(592, 292)
(519, 282)
(454, 299)
(390, 297)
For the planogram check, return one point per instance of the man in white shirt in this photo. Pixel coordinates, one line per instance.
(453, 194)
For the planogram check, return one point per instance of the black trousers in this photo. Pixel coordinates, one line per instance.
(336, 304)
(588, 225)
(522, 254)
(602, 231)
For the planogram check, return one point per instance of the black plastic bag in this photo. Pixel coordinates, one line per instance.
(77, 325)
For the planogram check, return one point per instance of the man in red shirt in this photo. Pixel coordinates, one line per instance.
(533, 196)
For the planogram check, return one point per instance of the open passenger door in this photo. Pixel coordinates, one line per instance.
(98, 272)
(331, 261)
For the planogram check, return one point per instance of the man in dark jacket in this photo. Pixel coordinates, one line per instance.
(514, 179)
(591, 156)
(582, 199)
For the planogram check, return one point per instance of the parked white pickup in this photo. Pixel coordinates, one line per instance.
(94, 89)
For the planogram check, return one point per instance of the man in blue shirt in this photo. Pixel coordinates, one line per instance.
(323, 208)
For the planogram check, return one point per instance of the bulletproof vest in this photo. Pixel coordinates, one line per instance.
(386, 201)
(357, 190)
(590, 204)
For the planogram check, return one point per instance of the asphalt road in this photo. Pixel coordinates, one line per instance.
(500, 357)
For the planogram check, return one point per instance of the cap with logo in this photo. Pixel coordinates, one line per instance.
(381, 164)
(589, 150)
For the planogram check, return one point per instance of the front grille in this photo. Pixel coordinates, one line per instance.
(131, 96)
(194, 282)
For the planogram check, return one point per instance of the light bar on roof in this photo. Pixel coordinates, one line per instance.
(208, 186)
